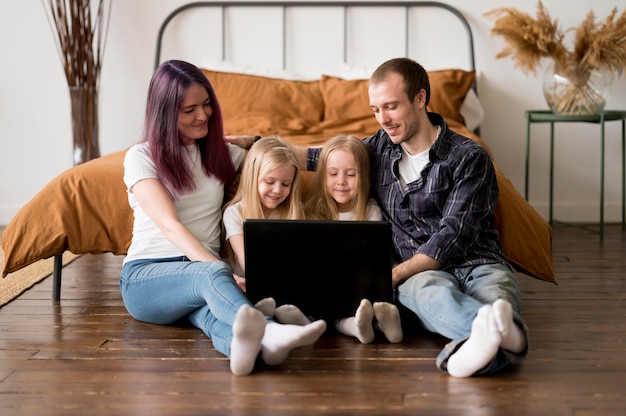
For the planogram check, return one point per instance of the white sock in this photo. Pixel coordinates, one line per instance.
(513, 338)
(280, 339)
(360, 325)
(291, 314)
(248, 331)
(267, 306)
(388, 318)
(481, 346)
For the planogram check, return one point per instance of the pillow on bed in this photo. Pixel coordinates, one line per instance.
(346, 106)
(261, 105)
(347, 102)
(472, 110)
(226, 66)
(448, 89)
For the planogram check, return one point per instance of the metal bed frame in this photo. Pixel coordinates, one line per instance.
(285, 5)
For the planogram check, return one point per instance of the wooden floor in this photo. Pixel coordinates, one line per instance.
(86, 356)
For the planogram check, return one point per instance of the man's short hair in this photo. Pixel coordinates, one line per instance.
(413, 74)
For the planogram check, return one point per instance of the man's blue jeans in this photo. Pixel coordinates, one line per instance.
(162, 291)
(446, 303)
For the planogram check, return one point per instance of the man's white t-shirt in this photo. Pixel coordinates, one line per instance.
(200, 211)
(411, 166)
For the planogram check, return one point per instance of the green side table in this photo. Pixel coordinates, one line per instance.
(543, 116)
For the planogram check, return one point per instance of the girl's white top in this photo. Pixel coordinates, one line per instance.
(233, 224)
(373, 213)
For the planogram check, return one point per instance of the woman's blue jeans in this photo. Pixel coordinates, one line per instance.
(447, 301)
(162, 291)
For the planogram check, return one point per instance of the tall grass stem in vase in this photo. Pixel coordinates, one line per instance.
(578, 79)
(80, 30)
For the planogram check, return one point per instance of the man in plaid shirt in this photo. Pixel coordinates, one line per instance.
(438, 190)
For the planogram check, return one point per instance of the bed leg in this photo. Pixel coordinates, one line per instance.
(56, 277)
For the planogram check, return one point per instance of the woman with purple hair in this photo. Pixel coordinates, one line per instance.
(176, 178)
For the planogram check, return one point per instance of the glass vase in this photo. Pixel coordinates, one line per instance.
(84, 104)
(576, 89)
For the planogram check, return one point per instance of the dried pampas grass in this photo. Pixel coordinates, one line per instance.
(596, 46)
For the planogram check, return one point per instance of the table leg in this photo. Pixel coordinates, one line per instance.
(551, 172)
(623, 175)
(527, 156)
(602, 178)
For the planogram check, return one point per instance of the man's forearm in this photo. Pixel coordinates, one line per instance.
(416, 264)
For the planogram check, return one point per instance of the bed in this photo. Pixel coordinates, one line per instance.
(85, 209)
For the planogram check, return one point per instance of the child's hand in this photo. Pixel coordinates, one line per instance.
(241, 282)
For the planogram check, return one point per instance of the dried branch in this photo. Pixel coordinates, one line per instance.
(80, 38)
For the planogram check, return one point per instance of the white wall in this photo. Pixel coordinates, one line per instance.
(35, 135)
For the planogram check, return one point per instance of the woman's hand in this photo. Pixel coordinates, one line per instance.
(241, 282)
(242, 140)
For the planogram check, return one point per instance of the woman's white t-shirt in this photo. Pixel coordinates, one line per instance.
(200, 211)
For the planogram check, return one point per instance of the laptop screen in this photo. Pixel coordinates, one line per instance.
(323, 267)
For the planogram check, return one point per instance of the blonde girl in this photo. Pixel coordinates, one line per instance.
(347, 199)
(260, 194)
(340, 191)
(269, 187)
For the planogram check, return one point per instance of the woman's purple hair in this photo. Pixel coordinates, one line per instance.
(167, 90)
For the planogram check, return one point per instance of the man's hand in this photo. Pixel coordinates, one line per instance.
(416, 264)
(244, 141)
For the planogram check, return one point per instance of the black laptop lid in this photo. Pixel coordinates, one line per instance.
(323, 267)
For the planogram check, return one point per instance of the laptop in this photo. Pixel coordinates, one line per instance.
(324, 268)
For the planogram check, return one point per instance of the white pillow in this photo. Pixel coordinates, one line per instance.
(224, 66)
(354, 72)
(472, 111)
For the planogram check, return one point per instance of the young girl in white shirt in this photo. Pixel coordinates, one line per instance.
(340, 191)
(269, 187)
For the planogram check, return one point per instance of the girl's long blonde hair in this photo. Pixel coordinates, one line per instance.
(321, 205)
(265, 155)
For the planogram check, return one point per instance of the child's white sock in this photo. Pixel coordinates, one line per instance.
(388, 318)
(248, 331)
(280, 339)
(364, 322)
(481, 346)
(513, 338)
(291, 314)
(267, 306)
(360, 325)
